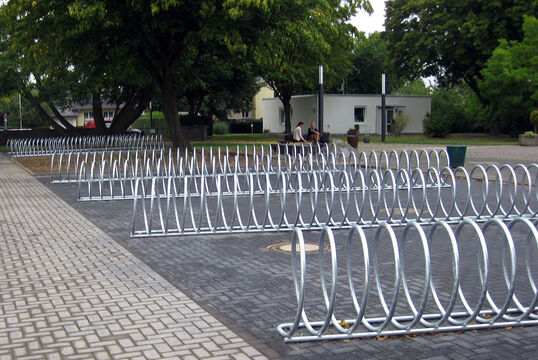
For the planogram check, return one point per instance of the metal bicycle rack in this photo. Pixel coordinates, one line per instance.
(257, 201)
(110, 177)
(418, 305)
(49, 146)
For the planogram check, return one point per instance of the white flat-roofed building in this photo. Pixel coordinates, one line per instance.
(343, 112)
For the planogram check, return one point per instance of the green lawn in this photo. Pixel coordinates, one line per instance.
(232, 140)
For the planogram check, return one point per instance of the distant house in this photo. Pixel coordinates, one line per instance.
(256, 110)
(343, 112)
(82, 115)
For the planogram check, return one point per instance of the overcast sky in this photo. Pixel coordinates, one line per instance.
(371, 23)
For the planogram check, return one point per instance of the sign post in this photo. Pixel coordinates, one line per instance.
(320, 100)
(20, 112)
(383, 112)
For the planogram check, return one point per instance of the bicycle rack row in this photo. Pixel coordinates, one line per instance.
(65, 167)
(49, 146)
(181, 205)
(505, 293)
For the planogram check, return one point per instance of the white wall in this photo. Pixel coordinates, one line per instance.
(338, 112)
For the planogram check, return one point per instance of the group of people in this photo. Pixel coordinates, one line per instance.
(313, 133)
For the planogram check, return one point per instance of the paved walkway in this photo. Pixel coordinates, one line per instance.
(69, 291)
(502, 154)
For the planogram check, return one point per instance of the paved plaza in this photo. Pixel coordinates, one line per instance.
(69, 291)
(74, 285)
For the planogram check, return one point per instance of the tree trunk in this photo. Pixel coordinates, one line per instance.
(286, 101)
(60, 117)
(43, 114)
(131, 111)
(169, 97)
(97, 106)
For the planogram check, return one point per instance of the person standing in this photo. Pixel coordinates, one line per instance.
(298, 132)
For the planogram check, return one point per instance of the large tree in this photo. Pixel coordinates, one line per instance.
(510, 81)
(301, 36)
(449, 39)
(58, 61)
(370, 58)
(163, 34)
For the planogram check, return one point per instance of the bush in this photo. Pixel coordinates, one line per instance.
(529, 134)
(436, 127)
(400, 122)
(243, 127)
(221, 128)
(159, 124)
(534, 120)
(189, 120)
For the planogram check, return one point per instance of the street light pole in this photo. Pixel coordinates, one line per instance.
(151, 130)
(383, 113)
(20, 112)
(320, 100)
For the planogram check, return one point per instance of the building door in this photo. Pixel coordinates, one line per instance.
(389, 116)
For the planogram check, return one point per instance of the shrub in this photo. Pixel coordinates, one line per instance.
(436, 127)
(400, 122)
(534, 120)
(529, 134)
(244, 127)
(221, 128)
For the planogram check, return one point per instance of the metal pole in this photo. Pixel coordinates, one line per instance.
(320, 100)
(151, 130)
(20, 112)
(383, 112)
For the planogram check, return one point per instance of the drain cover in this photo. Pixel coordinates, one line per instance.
(285, 247)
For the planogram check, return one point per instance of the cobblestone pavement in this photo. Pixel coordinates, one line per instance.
(69, 291)
(249, 289)
(502, 154)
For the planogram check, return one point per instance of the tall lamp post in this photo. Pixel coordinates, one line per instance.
(151, 129)
(320, 100)
(383, 113)
(20, 112)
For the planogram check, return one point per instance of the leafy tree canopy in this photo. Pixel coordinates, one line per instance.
(510, 81)
(370, 58)
(451, 40)
(301, 36)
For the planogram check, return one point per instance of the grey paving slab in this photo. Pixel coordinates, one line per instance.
(249, 289)
(69, 291)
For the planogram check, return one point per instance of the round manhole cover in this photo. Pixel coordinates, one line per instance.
(285, 247)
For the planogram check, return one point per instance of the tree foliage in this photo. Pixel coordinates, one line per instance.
(301, 36)
(60, 61)
(454, 110)
(451, 40)
(370, 58)
(510, 81)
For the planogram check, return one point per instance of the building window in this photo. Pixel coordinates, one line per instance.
(108, 115)
(359, 115)
(88, 116)
(245, 114)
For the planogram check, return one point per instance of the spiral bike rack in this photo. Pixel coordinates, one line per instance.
(116, 172)
(510, 301)
(49, 146)
(244, 160)
(255, 202)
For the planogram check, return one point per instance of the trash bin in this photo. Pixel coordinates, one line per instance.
(456, 155)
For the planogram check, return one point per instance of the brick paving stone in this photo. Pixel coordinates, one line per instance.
(69, 291)
(248, 288)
